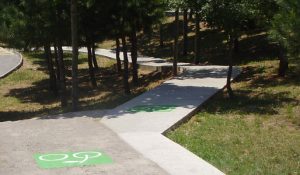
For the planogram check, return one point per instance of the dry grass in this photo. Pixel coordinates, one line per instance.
(24, 94)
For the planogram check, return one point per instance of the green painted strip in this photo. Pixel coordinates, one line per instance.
(71, 159)
(152, 108)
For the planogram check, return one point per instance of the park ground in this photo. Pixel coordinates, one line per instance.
(24, 94)
(257, 132)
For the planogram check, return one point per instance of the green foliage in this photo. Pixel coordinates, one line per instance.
(234, 16)
(174, 4)
(230, 15)
(12, 25)
(143, 14)
(286, 26)
(32, 23)
(196, 5)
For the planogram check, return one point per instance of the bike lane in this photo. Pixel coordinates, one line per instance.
(68, 146)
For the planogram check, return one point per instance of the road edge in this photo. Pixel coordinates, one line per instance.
(20, 63)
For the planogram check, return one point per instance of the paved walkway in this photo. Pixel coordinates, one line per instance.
(183, 95)
(144, 61)
(9, 61)
(143, 130)
(132, 134)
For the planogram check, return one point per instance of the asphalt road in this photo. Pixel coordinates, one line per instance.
(8, 63)
(21, 140)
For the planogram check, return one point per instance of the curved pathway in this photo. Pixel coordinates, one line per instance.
(131, 134)
(9, 61)
(172, 102)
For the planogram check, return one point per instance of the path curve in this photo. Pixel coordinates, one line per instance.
(9, 62)
(113, 130)
(144, 130)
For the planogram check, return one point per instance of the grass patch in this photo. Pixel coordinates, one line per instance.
(24, 94)
(255, 133)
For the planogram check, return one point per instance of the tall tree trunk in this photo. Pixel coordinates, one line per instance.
(94, 56)
(230, 63)
(63, 91)
(56, 63)
(283, 62)
(126, 71)
(123, 37)
(236, 46)
(161, 37)
(176, 46)
(197, 39)
(91, 68)
(52, 76)
(74, 35)
(185, 32)
(119, 64)
(191, 14)
(134, 55)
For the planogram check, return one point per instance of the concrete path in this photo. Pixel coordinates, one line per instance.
(145, 62)
(9, 61)
(143, 130)
(184, 94)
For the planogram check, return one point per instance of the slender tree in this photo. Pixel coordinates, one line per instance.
(91, 67)
(185, 31)
(74, 31)
(176, 5)
(176, 46)
(119, 64)
(161, 35)
(95, 62)
(285, 29)
(51, 72)
(197, 39)
(125, 71)
(198, 9)
(134, 55)
(63, 88)
(124, 46)
(56, 63)
(230, 16)
(140, 15)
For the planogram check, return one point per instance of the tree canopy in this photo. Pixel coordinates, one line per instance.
(286, 26)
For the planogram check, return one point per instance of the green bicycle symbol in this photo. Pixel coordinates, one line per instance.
(60, 160)
(62, 157)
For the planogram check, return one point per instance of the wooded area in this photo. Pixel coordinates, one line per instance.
(28, 24)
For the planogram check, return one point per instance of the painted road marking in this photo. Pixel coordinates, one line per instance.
(71, 159)
(152, 108)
